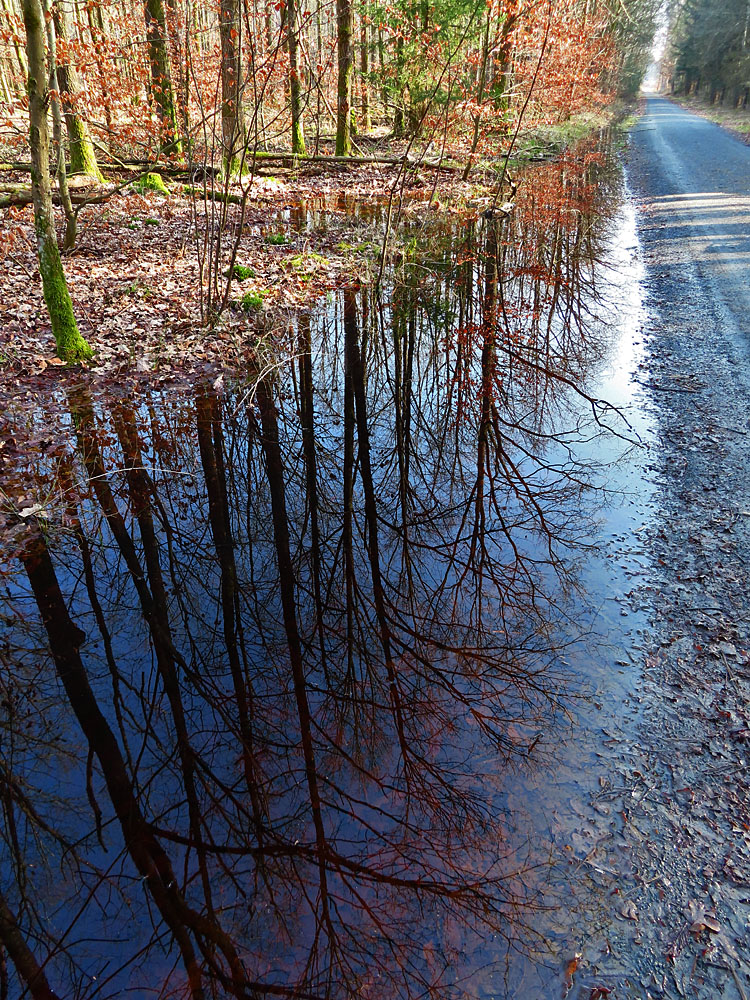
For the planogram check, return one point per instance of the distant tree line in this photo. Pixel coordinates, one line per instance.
(709, 50)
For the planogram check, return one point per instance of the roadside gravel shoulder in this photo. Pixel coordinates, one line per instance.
(696, 372)
(732, 120)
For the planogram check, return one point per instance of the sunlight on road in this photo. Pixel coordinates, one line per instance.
(714, 224)
(702, 201)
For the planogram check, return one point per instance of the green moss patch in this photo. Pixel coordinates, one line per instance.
(252, 300)
(151, 182)
(308, 263)
(277, 239)
(363, 248)
(241, 272)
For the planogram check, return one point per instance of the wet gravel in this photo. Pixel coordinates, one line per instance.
(687, 787)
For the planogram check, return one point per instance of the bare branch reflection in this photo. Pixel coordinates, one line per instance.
(257, 716)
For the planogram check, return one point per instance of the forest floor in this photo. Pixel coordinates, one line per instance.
(135, 272)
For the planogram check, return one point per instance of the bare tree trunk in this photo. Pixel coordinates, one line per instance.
(181, 58)
(364, 69)
(6, 80)
(82, 155)
(345, 30)
(232, 122)
(298, 131)
(161, 78)
(480, 96)
(97, 37)
(62, 177)
(23, 65)
(70, 344)
(27, 967)
(398, 114)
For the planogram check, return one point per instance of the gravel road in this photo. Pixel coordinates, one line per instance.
(691, 182)
(694, 185)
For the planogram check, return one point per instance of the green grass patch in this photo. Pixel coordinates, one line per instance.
(549, 140)
(625, 124)
(277, 239)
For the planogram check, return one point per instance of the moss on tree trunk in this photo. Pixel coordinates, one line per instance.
(161, 77)
(295, 90)
(70, 344)
(345, 29)
(232, 116)
(82, 155)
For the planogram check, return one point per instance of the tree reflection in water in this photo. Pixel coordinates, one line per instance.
(273, 653)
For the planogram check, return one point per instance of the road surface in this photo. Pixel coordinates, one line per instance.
(691, 183)
(694, 184)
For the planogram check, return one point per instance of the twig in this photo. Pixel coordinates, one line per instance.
(738, 984)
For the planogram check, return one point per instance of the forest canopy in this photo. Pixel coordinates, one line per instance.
(221, 76)
(709, 50)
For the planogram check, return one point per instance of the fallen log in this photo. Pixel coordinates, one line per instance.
(354, 161)
(212, 195)
(122, 166)
(19, 195)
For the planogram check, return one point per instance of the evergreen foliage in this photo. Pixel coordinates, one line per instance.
(710, 49)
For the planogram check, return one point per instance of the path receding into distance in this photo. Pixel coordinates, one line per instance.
(691, 184)
(695, 181)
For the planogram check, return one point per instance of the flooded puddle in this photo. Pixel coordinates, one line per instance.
(311, 678)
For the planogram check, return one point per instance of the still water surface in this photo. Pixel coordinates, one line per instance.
(310, 681)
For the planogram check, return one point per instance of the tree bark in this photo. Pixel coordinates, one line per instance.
(97, 37)
(27, 967)
(232, 122)
(161, 78)
(398, 113)
(364, 68)
(345, 30)
(295, 89)
(23, 65)
(82, 155)
(480, 96)
(71, 218)
(70, 344)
